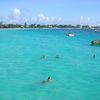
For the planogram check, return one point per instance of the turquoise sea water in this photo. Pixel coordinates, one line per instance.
(75, 75)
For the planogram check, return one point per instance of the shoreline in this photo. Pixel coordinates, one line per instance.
(43, 28)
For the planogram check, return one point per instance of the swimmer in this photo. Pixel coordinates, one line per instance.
(94, 56)
(57, 56)
(48, 80)
(43, 57)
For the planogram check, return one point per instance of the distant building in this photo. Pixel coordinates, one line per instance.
(81, 26)
(50, 26)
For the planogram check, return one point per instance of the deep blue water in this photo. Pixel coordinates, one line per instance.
(75, 75)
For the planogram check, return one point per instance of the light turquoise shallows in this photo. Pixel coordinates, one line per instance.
(75, 75)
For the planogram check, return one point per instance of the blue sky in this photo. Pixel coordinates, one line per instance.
(50, 11)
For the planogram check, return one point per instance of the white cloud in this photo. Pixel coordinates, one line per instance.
(16, 16)
(81, 17)
(43, 19)
(85, 20)
(60, 19)
(16, 12)
(89, 21)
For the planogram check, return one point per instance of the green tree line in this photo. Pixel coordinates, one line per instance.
(43, 26)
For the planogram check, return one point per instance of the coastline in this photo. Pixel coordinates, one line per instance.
(43, 28)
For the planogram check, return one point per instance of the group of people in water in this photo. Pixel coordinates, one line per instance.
(43, 57)
(49, 78)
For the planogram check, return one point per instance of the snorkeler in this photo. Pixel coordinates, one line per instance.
(48, 80)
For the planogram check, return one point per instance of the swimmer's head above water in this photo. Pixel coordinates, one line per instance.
(94, 56)
(48, 80)
(43, 57)
(57, 56)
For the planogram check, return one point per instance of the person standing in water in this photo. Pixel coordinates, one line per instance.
(48, 80)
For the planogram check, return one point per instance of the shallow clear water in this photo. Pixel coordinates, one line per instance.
(75, 75)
